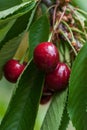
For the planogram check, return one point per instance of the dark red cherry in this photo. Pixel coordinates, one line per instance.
(46, 91)
(58, 78)
(46, 56)
(45, 99)
(12, 70)
(46, 95)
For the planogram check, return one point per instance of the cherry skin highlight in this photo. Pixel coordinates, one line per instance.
(58, 78)
(12, 70)
(46, 56)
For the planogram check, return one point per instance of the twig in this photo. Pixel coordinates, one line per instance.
(68, 41)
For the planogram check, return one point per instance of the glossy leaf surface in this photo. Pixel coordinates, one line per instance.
(77, 104)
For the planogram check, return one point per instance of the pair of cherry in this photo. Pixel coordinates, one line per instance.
(46, 58)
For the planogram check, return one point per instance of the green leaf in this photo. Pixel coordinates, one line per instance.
(18, 27)
(16, 11)
(65, 120)
(43, 8)
(5, 29)
(81, 4)
(8, 51)
(4, 4)
(23, 108)
(13, 28)
(11, 41)
(39, 32)
(77, 104)
(54, 114)
(31, 19)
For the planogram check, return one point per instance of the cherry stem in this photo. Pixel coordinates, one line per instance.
(23, 57)
(73, 40)
(81, 39)
(77, 30)
(68, 41)
(82, 11)
(77, 14)
(56, 25)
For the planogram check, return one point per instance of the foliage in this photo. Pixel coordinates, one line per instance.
(55, 111)
(66, 27)
(25, 103)
(78, 103)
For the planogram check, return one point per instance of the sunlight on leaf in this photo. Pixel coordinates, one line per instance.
(16, 11)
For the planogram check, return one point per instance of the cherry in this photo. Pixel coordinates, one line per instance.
(46, 56)
(45, 99)
(58, 78)
(12, 70)
(46, 95)
(46, 91)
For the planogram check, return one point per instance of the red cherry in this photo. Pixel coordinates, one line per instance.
(46, 95)
(46, 91)
(58, 78)
(12, 70)
(45, 99)
(46, 56)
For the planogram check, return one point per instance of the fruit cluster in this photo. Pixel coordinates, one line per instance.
(46, 58)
